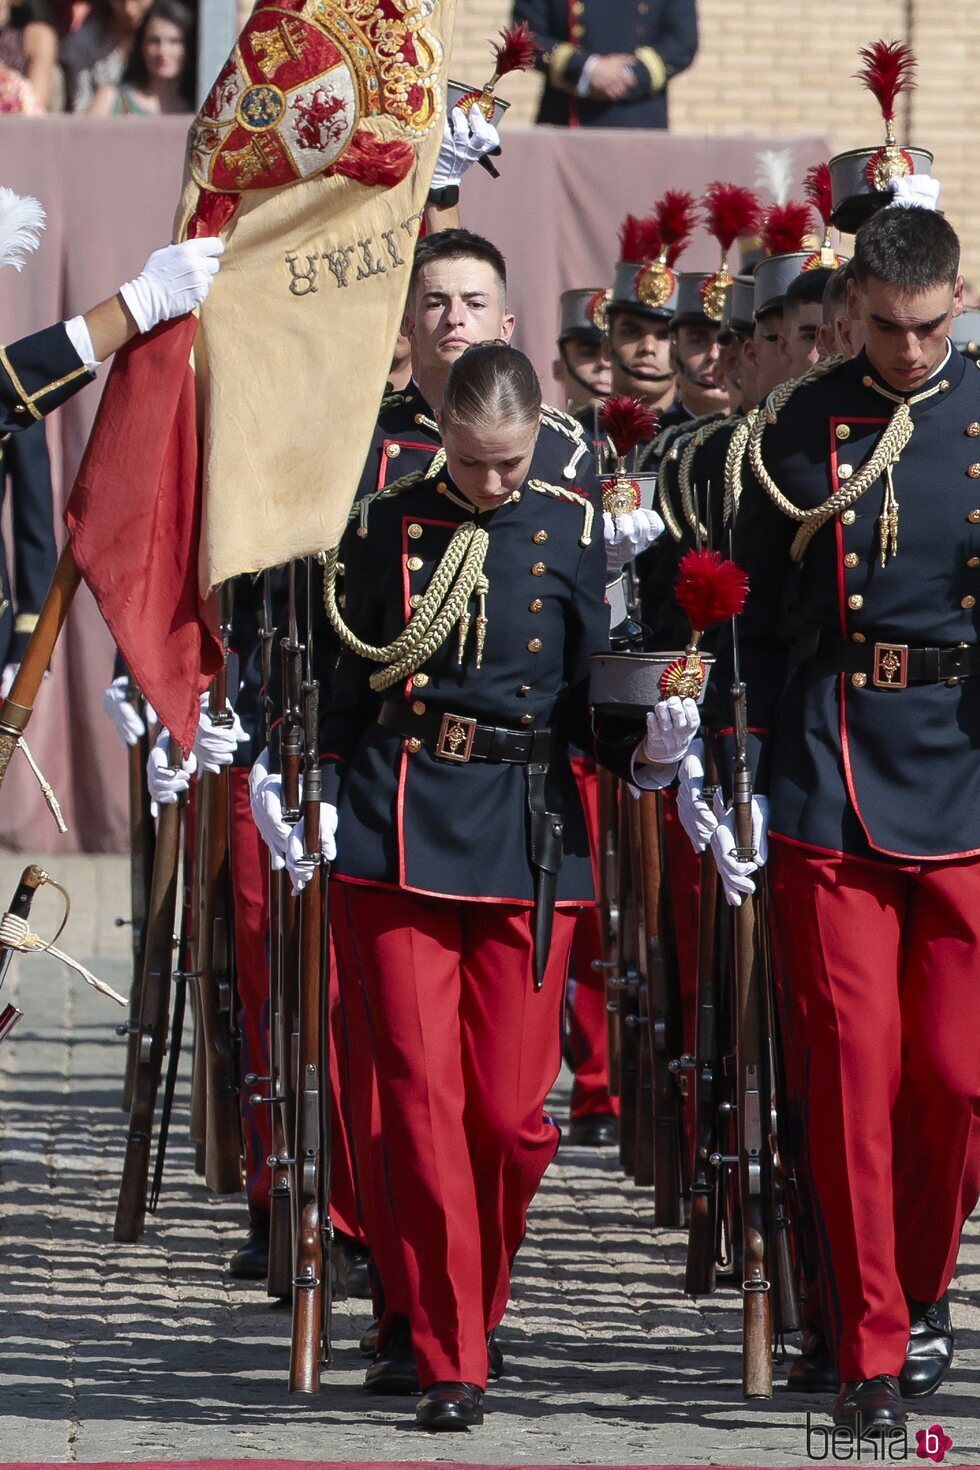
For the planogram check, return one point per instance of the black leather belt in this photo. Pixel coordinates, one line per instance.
(897, 665)
(459, 738)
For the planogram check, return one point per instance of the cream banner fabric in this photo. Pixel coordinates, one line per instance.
(298, 331)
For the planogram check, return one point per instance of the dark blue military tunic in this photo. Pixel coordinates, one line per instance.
(661, 34)
(408, 818)
(851, 767)
(38, 373)
(24, 462)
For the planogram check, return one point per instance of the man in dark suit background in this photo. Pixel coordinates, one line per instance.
(607, 63)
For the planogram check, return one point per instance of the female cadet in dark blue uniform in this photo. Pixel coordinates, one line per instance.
(462, 853)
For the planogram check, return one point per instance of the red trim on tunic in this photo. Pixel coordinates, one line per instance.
(524, 903)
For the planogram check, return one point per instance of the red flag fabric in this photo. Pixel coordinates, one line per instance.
(134, 519)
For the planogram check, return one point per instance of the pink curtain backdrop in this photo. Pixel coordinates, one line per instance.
(110, 186)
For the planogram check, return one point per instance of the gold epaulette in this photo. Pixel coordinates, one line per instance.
(571, 497)
(361, 509)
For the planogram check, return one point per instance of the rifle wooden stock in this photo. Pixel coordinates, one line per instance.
(215, 989)
(699, 1276)
(784, 1269)
(142, 841)
(153, 1018)
(644, 1127)
(625, 978)
(310, 1288)
(753, 1107)
(664, 1018)
(609, 911)
(286, 1035)
(17, 708)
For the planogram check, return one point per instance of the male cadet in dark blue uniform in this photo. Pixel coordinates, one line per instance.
(607, 63)
(860, 493)
(582, 368)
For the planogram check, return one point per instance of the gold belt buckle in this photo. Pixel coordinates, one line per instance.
(891, 666)
(455, 740)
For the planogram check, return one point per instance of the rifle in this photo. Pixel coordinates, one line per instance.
(142, 839)
(151, 1033)
(751, 1062)
(699, 1277)
(311, 1282)
(644, 1144)
(609, 910)
(279, 1281)
(625, 981)
(215, 988)
(664, 1017)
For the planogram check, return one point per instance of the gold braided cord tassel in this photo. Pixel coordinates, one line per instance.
(673, 525)
(887, 451)
(888, 521)
(443, 605)
(734, 459)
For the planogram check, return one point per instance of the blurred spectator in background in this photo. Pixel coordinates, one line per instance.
(607, 62)
(96, 54)
(159, 75)
(28, 55)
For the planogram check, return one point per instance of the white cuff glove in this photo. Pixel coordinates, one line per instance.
(124, 715)
(300, 868)
(167, 784)
(215, 745)
(463, 144)
(10, 672)
(694, 813)
(175, 279)
(265, 796)
(920, 190)
(629, 535)
(736, 877)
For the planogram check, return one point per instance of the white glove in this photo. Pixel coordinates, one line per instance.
(214, 745)
(671, 726)
(628, 535)
(123, 714)
(175, 279)
(919, 190)
(167, 784)
(10, 672)
(736, 877)
(694, 813)
(300, 868)
(265, 797)
(463, 144)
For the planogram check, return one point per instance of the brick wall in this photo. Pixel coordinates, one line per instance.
(769, 66)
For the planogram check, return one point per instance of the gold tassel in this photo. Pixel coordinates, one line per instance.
(463, 633)
(888, 522)
(481, 627)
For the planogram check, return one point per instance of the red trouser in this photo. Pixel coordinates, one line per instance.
(878, 978)
(586, 1027)
(465, 1051)
(250, 878)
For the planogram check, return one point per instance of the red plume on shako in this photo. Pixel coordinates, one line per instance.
(639, 239)
(888, 70)
(709, 589)
(517, 50)
(730, 211)
(627, 423)
(784, 227)
(818, 190)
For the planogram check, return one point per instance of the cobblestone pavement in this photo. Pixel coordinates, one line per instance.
(119, 1353)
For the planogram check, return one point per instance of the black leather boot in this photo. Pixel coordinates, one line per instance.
(814, 1371)
(450, 1406)
(251, 1260)
(870, 1405)
(930, 1350)
(598, 1130)
(393, 1370)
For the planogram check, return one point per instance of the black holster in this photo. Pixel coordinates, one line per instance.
(546, 831)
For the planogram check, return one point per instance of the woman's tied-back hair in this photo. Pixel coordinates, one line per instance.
(490, 384)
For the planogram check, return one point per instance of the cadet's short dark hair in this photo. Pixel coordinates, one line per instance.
(807, 288)
(457, 245)
(913, 248)
(835, 291)
(489, 384)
